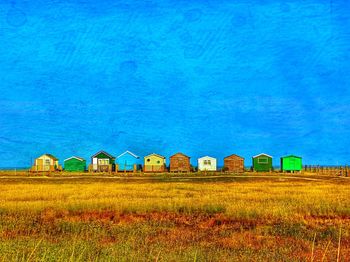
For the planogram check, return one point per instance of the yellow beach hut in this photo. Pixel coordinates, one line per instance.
(46, 162)
(154, 163)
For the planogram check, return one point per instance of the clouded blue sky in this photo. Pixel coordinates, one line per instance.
(202, 77)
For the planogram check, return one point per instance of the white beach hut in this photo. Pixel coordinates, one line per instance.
(207, 163)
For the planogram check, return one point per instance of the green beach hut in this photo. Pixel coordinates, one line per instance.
(262, 163)
(291, 163)
(102, 162)
(75, 164)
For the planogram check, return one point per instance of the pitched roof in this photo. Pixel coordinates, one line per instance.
(262, 154)
(128, 152)
(154, 154)
(103, 152)
(206, 157)
(233, 155)
(50, 156)
(76, 157)
(179, 154)
(291, 156)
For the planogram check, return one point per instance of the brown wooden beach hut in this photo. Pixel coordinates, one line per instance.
(234, 163)
(180, 163)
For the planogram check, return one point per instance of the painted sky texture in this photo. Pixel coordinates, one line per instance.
(201, 77)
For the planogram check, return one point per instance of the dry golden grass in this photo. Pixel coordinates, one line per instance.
(178, 219)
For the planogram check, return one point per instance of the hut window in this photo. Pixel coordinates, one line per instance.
(47, 162)
(103, 161)
(148, 159)
(207, 162)
(263, 160)
(158, 162)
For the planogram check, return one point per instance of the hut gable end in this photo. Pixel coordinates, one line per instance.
(75, 164)
(234, 163)
(291, 163)
(180, 163)
(128, 161)
(207, 163)
(262, 163)
(102, 162)
(154, 163)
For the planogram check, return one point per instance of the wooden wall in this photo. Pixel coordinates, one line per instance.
(234, 163)
(180, 163)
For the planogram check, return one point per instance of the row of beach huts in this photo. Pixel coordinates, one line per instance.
(153, 163)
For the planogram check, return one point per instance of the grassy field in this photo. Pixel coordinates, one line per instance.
(229, 218)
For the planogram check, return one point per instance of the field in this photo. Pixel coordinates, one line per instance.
(228, 218)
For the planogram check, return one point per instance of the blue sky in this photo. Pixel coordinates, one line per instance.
(200, 77)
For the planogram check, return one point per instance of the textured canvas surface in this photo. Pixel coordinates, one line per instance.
(200, 77)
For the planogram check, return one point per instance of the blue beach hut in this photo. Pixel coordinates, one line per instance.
(128, 161)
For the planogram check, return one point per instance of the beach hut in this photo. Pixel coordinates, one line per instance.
(75, 164)
(154, 163)
(180, 163)
(262, 163)
(128, 161)
(291, 163)
(102, 162)
(234, 163)
(207, 163)
(46, 162)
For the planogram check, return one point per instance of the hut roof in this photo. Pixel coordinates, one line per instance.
(50, 156)
(206, 157)
(154, 154)
(262, 154)
(103, 152)
(234, 155)
(128, 152)
(291, 156)
(76, 157)
(179, 154)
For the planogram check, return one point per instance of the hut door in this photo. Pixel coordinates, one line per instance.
(47, 165)
(181, 164)
(94, 163)
(292, 164)
(39, 165)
